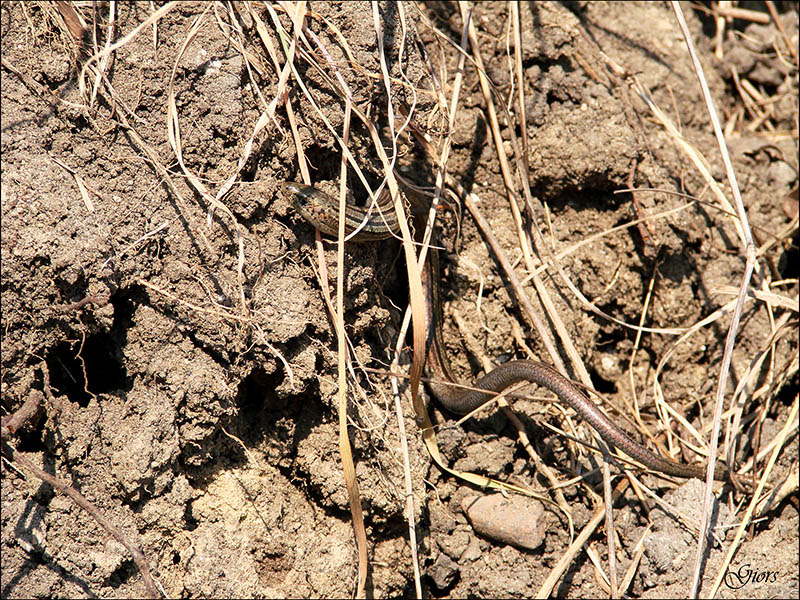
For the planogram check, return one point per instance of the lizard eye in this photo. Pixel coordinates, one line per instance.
(299, 193)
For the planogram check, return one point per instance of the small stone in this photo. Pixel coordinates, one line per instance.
(515, 520)
(444, 572)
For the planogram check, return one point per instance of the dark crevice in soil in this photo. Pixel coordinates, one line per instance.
(96, 368)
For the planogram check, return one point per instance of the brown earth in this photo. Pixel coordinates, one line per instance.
(195, 404)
